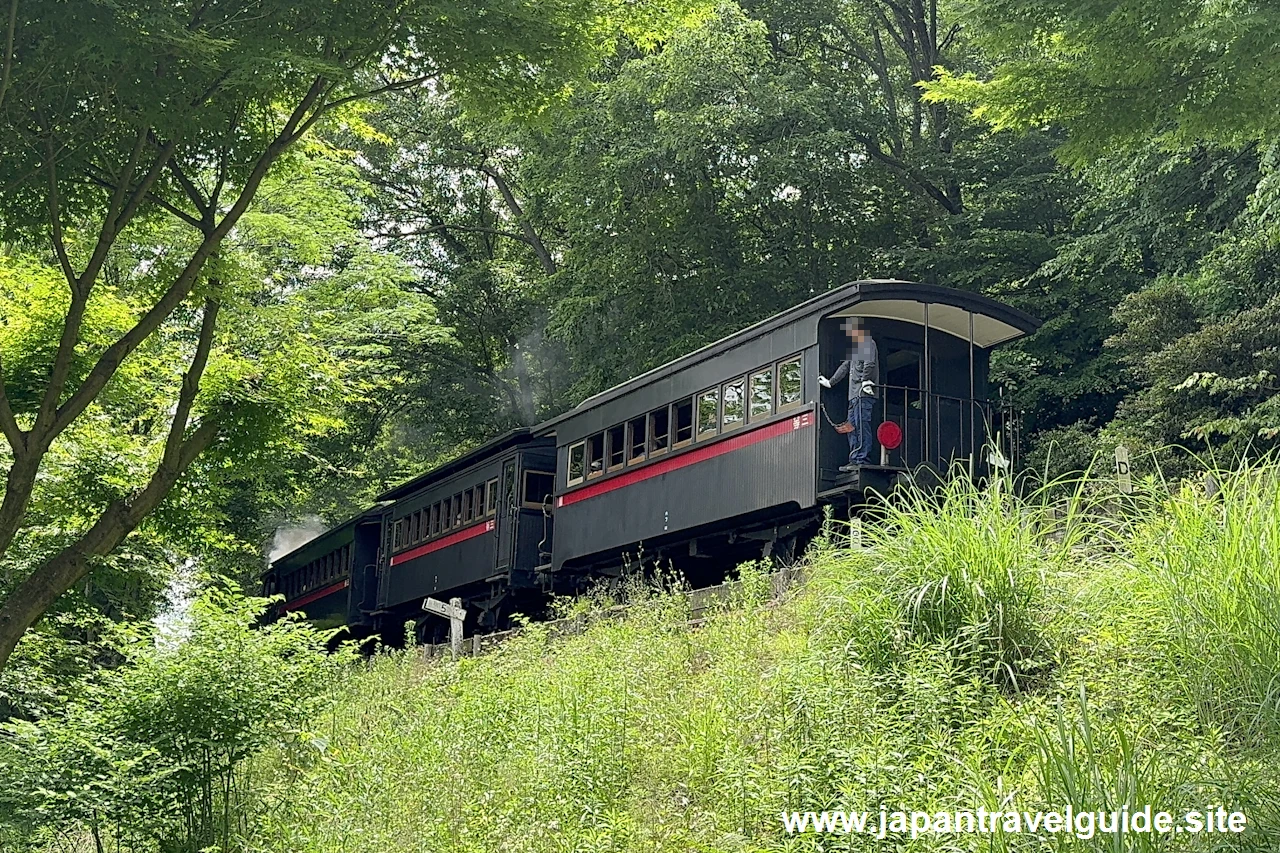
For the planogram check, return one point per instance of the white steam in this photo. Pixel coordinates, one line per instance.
(293, 536)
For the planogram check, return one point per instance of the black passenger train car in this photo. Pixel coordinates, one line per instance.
(474, 528)
(333, 578)
(735, 444)
(726, 453)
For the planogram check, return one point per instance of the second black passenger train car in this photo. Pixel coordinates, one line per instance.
(475, 528)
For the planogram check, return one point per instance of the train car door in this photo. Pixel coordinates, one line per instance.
(508, 516)
(904, 404)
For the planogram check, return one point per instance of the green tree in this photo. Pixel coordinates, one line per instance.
(1118, 75)
(155, 751)
(142, 131)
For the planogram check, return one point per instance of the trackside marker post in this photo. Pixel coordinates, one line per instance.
(455, 613)
(1124, 477)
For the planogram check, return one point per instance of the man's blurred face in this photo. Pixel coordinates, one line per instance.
(855, 332)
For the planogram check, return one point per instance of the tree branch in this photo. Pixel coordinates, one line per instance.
(7, 73)
(21, 476)
(531, 234)
(115, 354)
(55, 217)
(154, 199)
(193, 192)
(8, 422)
(912, 174)
(38, 592)
(43, 587)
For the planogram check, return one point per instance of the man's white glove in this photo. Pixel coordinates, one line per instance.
(824, 382)
(868, 388)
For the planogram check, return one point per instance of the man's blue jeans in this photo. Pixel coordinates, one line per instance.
(860, 409)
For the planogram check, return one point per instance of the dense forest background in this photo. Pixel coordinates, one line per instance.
(249, 278)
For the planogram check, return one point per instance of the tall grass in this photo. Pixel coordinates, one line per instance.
(1207, 572)
(979, 649)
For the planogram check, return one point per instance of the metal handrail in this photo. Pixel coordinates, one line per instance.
(978, 423)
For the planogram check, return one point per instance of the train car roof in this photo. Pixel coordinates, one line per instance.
(365, 515)
(497, 445)
(994, 323)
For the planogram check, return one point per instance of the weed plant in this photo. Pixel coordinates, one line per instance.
(977, 648)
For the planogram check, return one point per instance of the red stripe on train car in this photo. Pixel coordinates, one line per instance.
(452, 539)
(692, 457)
(317, 595)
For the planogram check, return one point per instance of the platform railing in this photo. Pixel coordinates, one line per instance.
(942, 429)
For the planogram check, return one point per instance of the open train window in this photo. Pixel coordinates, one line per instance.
(595, 455)
(790, 383)
(683, 415)
(538, 486)
(466, 506)
(491, 498)
(399, 526)
(735, 404)
(708, 413)
(577, 463)
(761, 394)
(659, 431)
(457, 510)
(617, 449)
(435, 519)
(446, 514)
(635, 440)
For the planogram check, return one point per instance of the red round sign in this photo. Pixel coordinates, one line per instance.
(889, 435)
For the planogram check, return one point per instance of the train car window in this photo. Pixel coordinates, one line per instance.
(457, 510)
(577, 463)
(398, 526)
(708, 413)
(761, 402)
(491, 497)
(617, 447)
(538, 486)
(683, 417)
(659, 431)
(790, 383)
(735, 404)
(635, 439)
(595, 455)
(446, 515)
(466, 505)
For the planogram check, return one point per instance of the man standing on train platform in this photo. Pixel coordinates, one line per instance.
(863, 369)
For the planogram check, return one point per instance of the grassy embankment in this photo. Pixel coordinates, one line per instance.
(974, 654)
